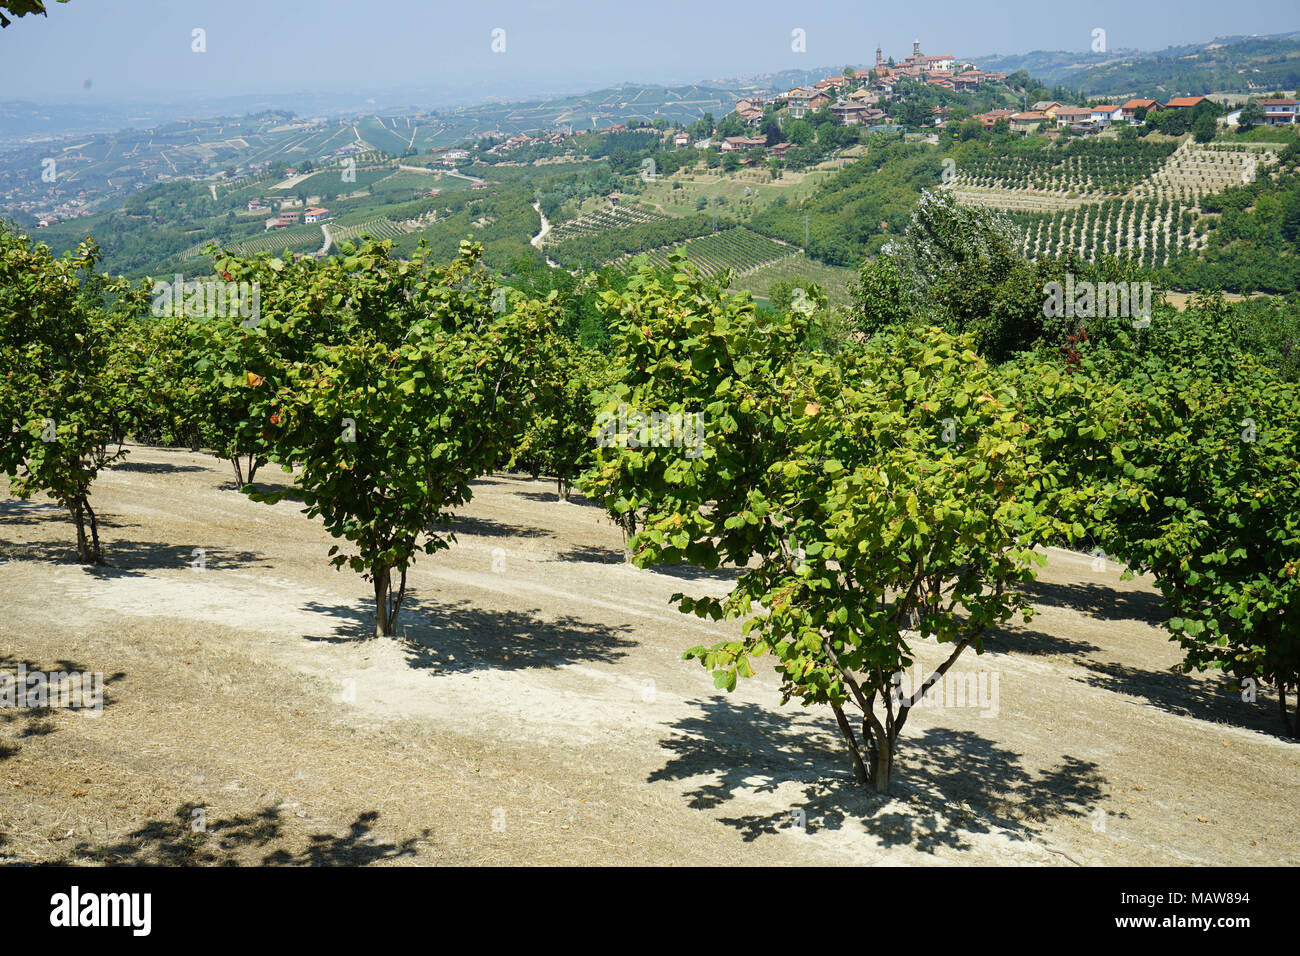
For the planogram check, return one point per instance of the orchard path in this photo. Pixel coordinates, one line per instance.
(538, 710)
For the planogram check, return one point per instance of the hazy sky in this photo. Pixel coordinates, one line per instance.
(142, 49)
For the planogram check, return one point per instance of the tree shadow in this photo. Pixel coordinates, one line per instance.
(599, 554)
(19, 512)
(174, 842)
(153, 467)
(25, 722)
(463, 637)
(551, 497)
(948, 784)
(1215, 700)
(1029, 642)
(121, 556)
(489, 528)
(1099, 601)
(593, 554)
(128, 557)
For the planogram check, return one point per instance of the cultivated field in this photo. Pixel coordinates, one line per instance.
(538, 710)
(1142, 205)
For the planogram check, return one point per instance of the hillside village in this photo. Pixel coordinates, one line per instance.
(892, 96)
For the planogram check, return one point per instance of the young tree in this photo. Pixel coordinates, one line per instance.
(415, 384)
(58, 318)
(562, 415)
(893, 494)
(1213, 449)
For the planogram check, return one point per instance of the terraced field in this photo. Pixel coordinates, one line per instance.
(1051, 180)
(296, 238)
(599, 222)
(1111, 204)
(737, 249)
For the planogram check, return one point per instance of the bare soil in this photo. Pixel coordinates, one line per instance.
(536, 709)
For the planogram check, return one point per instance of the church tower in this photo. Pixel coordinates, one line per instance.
(880, 57)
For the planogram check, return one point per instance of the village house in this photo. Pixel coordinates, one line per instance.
(316, 214)
(1074, 117)
(734, 144)
(1185, 102)
(1105, 114)
(1135, 108)
(805, 100)
(1280, 111)
(989, 119)
(1027, 121)
(1047, 107)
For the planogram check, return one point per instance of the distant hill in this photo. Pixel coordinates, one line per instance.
(1228, 64)
(598, 109)
(1054, 66)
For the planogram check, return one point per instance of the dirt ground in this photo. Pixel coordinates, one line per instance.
(537, 709)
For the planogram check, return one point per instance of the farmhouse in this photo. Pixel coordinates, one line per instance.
(1135, 109)
(734, 144)
(1027, 121)
(1074, 117)
(1106, 114)
(316, 214)
(1280, 112)
(1185, 102)
(989, 119)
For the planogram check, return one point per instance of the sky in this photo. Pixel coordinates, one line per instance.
(89, 51)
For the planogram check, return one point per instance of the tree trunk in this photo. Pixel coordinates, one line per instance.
(239, 470)
(97, 554)
(88, 550)
(252, 467)
(855, 755)
(383, 624)
(882, 765)
(386, 604)
(562, 489)
(1292, 725)
(83, 547)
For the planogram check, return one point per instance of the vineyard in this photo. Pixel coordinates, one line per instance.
(1110, 197)
(295, 238)
(1050, 180)
(737, 249)
(1148, 231)
(596, 222)
(377, 228)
